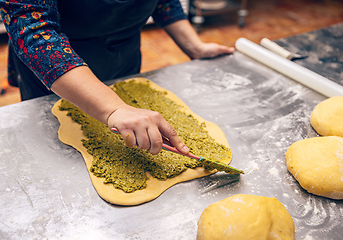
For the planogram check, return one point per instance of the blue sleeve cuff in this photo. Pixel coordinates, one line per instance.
(167, 12)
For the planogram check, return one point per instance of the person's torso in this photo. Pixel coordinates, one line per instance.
(82, 19)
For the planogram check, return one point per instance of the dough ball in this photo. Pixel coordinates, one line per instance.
(327, 117)
(245, 217)
(317, 164)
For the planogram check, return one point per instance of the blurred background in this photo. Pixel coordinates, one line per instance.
(219, 21)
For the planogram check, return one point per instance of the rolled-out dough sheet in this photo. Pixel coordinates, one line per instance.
(71, 134)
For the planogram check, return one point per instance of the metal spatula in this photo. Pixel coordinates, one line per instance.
(274, 47)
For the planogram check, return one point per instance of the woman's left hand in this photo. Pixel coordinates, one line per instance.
(211, 50)
(188, 40)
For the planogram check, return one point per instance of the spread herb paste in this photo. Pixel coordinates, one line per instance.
(125, 167)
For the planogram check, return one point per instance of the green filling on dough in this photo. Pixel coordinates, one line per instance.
(125, 167)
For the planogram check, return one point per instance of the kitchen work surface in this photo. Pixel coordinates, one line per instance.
(46, 192)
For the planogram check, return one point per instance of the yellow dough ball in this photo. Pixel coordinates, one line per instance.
(317, 164)
(327, 117)
(245, 217)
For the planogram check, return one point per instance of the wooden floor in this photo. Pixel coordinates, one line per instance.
(267, 18)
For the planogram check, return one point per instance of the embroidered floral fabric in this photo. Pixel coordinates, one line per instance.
(34, 31)
(167, 12)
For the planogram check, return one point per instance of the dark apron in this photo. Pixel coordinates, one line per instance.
(104, 33)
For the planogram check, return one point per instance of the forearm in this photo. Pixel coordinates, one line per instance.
(185, 37)
(82, 88)
(139, 127)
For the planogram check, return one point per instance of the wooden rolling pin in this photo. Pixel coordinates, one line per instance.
(289, 68)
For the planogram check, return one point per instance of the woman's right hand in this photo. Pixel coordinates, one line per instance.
(139, 127)
(144, 129)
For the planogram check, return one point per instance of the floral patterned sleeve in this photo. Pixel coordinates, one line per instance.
(34, 31)
(167, 12)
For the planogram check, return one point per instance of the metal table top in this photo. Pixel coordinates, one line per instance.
(46, 192)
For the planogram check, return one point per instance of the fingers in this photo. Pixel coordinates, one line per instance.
(169, 132)
(144, 129)
(129, 138)
(211, 50)
(149, 139)
(226, 50)
(155, 140)
(142, 139)
(221, 49)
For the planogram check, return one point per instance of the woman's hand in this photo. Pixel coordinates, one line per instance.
(188, 40)
(139, 127)
(144, 129)
(211, 50)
